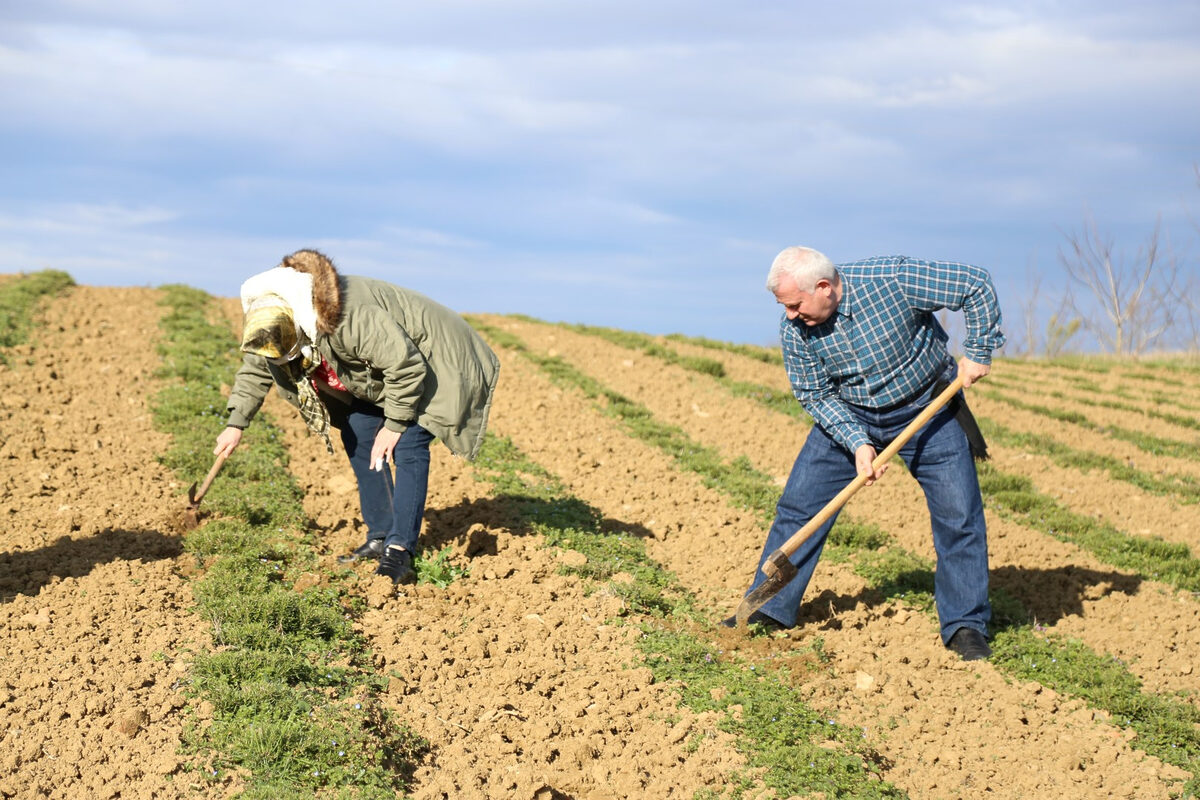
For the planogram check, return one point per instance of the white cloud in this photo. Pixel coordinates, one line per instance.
(507, 136)
(83, 218)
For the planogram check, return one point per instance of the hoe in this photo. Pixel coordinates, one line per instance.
(778, 567)
(192, 516)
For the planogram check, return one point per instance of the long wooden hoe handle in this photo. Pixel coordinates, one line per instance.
(778, 567)
(834, 505)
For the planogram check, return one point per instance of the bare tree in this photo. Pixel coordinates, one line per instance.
(1188, 292)
(1131, 301)
(1059, 333)
(1029, 337)
(1026, 343)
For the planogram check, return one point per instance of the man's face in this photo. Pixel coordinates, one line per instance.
(813, 307)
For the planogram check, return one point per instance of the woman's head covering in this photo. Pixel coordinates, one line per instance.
(293, 287)
(270, 330)
(280, 325)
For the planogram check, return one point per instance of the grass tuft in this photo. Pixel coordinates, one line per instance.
(19, 298)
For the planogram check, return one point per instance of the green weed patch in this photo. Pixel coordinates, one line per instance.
(295, 702)
(1183, 488)
(748, 487)
(1101, 398)
(783, 402)
(1154, 445)
(1015, 497)
(647, 345)
(18, 300)
(767, 355)
(797, 749)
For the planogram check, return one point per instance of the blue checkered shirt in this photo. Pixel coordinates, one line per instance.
(883, 345)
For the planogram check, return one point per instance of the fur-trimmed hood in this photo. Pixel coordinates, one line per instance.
(326, 293)
(417, 360)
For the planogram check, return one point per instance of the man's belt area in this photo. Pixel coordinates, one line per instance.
(966, 420)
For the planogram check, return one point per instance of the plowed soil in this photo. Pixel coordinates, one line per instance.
(521, 679)
(94, 605)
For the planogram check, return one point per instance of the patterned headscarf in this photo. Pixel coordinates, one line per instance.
(270, 331)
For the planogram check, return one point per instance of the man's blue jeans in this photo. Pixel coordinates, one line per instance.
(939, 458)
(392, 509)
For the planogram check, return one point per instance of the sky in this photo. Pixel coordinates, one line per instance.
(629, 164)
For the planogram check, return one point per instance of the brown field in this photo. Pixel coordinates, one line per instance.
(518, 675)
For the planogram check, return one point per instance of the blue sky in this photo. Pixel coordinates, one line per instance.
(634, 164)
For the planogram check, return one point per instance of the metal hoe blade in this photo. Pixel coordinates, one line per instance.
(779, 571)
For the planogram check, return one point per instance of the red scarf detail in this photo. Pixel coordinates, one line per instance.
(324, 374)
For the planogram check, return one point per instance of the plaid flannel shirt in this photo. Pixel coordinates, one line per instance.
(883, 345)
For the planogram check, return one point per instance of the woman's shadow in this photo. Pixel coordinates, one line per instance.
(27, 571)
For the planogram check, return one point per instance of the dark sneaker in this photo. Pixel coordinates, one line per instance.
(396, 563)
(757, 618)
(970, 644)
(372, 549)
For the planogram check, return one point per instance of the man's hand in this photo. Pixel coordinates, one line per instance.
(970, 371)
(381, 451)
(863, 457)
(227, 440)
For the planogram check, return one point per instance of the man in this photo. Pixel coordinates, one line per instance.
(864, 354)
(388, 367)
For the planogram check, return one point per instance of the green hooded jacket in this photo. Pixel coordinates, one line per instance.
(411, 356)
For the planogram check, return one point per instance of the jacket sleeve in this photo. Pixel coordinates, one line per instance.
(250, 387)
(373, 336)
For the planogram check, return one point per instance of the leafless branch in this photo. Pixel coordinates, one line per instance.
(1127, 304)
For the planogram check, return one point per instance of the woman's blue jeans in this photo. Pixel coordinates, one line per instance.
(939, 458)
(391, 509)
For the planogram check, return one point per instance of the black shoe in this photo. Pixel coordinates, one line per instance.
(396, 563)
(757, 618)
(970, 644)
(372, 549)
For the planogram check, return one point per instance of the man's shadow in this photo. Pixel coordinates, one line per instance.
(1042, 595)
(475, 521)
(27, 571)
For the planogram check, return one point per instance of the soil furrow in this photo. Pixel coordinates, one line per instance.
(95, 612)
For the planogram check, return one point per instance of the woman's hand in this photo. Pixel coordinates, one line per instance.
(227, 440)
(381, 452)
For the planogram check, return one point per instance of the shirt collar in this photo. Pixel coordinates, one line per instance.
(846, 305)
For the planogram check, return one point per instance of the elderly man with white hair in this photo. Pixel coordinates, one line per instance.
(865, 354)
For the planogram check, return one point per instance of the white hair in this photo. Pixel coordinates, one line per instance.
(803, 265)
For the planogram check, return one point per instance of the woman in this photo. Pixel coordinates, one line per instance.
(386, 366)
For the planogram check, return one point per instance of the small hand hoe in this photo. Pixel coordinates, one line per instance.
(192, 517)
(778, 567)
